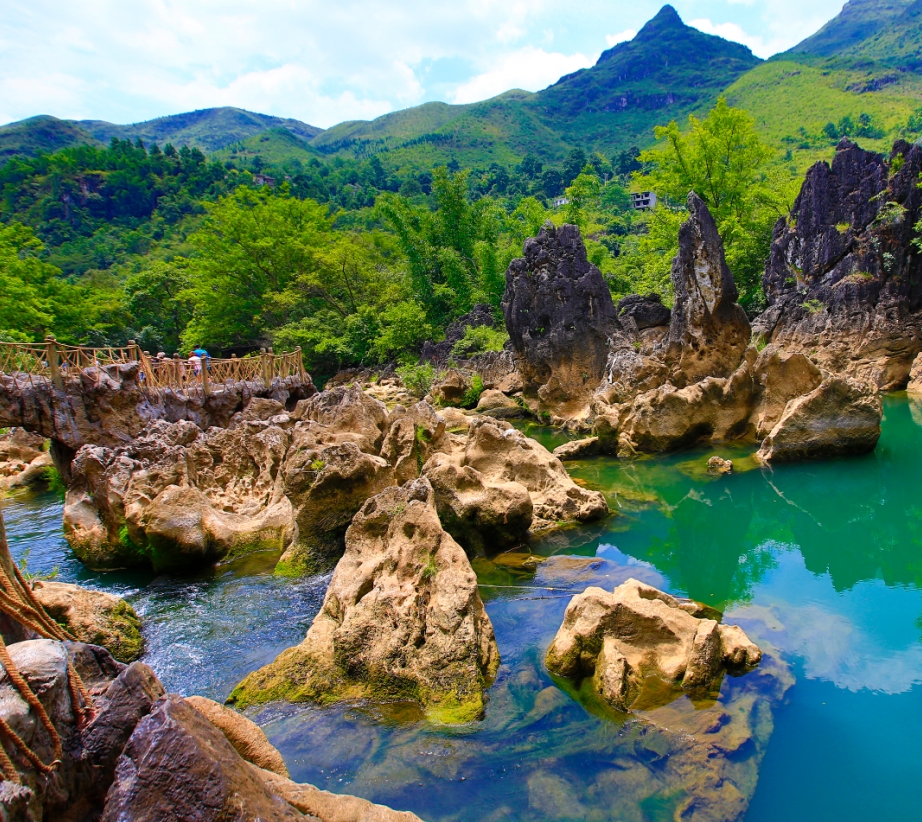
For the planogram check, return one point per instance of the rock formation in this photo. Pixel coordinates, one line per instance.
(402, 619)
(94, 617)
(559, 315)
(915, 376)
(179, 498)
(844, 280)
(439, 353)
(23, 459)
(644, 312)
(110, 406)
(708, 330)
(620, 639)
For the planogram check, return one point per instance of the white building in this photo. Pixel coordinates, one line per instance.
(643, 201)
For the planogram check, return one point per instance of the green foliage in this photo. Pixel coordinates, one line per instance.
(813, 306)
(479, 340)
(32, 577)
(724, 161)
(417, 379)
(472, 395)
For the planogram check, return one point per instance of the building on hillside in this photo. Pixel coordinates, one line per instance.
(559, 202)
(264, 180)
(643, 201)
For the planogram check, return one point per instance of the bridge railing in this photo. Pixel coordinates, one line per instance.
(60, 364)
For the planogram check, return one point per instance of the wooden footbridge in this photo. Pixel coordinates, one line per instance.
(65, 367)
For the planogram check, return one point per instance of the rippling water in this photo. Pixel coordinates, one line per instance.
(821, 563)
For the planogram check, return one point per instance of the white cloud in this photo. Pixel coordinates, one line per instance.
(528, 68)
(758, 45)
(620, 37)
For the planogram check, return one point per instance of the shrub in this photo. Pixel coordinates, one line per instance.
(814, 306)
(472, 395)
(479, 340)
(418, 379)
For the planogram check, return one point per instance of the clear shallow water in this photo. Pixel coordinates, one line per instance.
(821, 563)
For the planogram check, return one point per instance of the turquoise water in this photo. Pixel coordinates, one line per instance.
(821, 564)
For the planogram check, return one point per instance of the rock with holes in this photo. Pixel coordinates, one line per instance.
(23, 459)
(402, 619)
(624, 638)
(94, 617)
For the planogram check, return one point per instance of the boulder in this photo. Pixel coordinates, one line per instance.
(23, 459)
(177, 765)
(621, 639)
(402, 619)
(780, 376)
(645, 311)
(501, 454)
(111, 406)
(350, 411)
(578, 449)
(451, 387)
(245, 735)
(495, 403)
(841, 416)
(844, 279)
(559, 315)
(178, 498)
(94, 617)
(708, 330)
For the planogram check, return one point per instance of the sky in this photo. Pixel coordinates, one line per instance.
(326, 61)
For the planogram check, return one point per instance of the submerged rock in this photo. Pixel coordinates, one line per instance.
(621, 639)
(559, 315)
(402, 619)
(94, 617)
(718, 465)
(841, 416)
(578, 449)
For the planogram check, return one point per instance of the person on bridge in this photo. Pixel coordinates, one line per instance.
(195, 363)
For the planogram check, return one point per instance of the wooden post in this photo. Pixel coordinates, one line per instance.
(264, 367)
(177, 370)
(271, 367)
(54, 362)
(205, 386)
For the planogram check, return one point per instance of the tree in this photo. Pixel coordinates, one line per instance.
(723, 160)
(252, 247)
(157, 298)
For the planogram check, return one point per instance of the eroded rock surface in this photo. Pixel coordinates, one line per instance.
(708, 330)
(402, 619)
(23, 459)
(560, 316)
(620, 639)
(844, 280)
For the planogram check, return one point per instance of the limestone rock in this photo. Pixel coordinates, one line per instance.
(841, 416)
(349, 410)
(844, 280)
(501, 454)
(780, 377)
(23, 459)
(439, 353)
(177, 765)
(245, 735)
(718, 465)
(915, 376)
(483, 516)
(94, 617)
(622, 638)
(495, 403)
(451, 388)
(559, 315)
(331, 807)
(578, 449)
(402, 619)
(110, 407)
(708, 331)
(645, 311)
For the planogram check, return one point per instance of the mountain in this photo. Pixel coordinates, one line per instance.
(42, 134)
(868, 30)
(209, 129)
(666, 72)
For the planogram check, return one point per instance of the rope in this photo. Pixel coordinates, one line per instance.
(34, 702)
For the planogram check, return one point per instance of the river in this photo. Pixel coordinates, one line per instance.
(821, 563)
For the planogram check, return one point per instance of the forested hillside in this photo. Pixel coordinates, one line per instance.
(235, 230)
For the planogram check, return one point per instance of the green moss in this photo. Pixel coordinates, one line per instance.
(122, 635)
